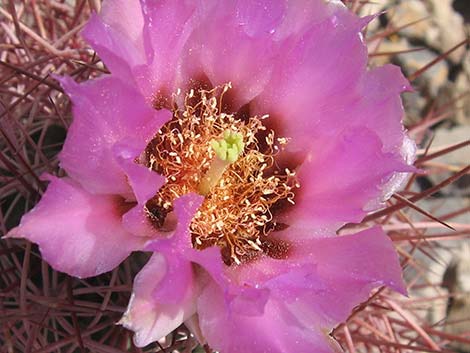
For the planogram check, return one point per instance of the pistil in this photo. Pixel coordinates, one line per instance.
(227, 151)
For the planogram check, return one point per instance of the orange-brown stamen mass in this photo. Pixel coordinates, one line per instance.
(236, 212)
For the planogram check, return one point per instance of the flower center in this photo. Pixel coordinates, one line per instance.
(231, 162)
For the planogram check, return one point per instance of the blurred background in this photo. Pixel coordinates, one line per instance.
(430, 48)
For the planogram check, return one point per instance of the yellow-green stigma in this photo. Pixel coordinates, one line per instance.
(230, 147)
(227, 150)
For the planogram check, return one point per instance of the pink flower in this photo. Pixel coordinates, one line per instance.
(173, 153)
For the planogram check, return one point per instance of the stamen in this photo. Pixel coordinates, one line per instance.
(207, 151)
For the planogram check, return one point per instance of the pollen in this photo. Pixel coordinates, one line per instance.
(231, 162)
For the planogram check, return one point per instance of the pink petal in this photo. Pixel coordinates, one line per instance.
(117, 35)
(380, 108)
(348, 100)
(317, 71)
(229, 57)
(350, 267)
(106, 112)
(347, 269)
(125, 16)
(339, 177)
(193, 326)
(297, 19)
(364, 260)
(310, 292)
(276, 331)
(167, 26)
(179, 269)
(258, 18)
(77, 232)
(135, 221)
(149, 319)
(165, 291)
(188, 33)
(257, 36)
(144, 183)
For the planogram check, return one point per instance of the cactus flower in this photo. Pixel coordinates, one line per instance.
(232, 140)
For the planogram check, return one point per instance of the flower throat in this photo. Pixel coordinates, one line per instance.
(231, 163)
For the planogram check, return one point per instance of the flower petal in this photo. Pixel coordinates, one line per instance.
(144, 183)
(164, 291)
(310, 292)
(380, 108)
(230, 57)
(149, 319)
(347, 268)
(178, 278)
(135, 221)
(117, 35)
(276, 331)
(77, 232)
(167, 26)
(349, 98)
(319, 70)
(367, 259)
(303, 14)
(106, 111)
(340, 176)
(261, 17)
